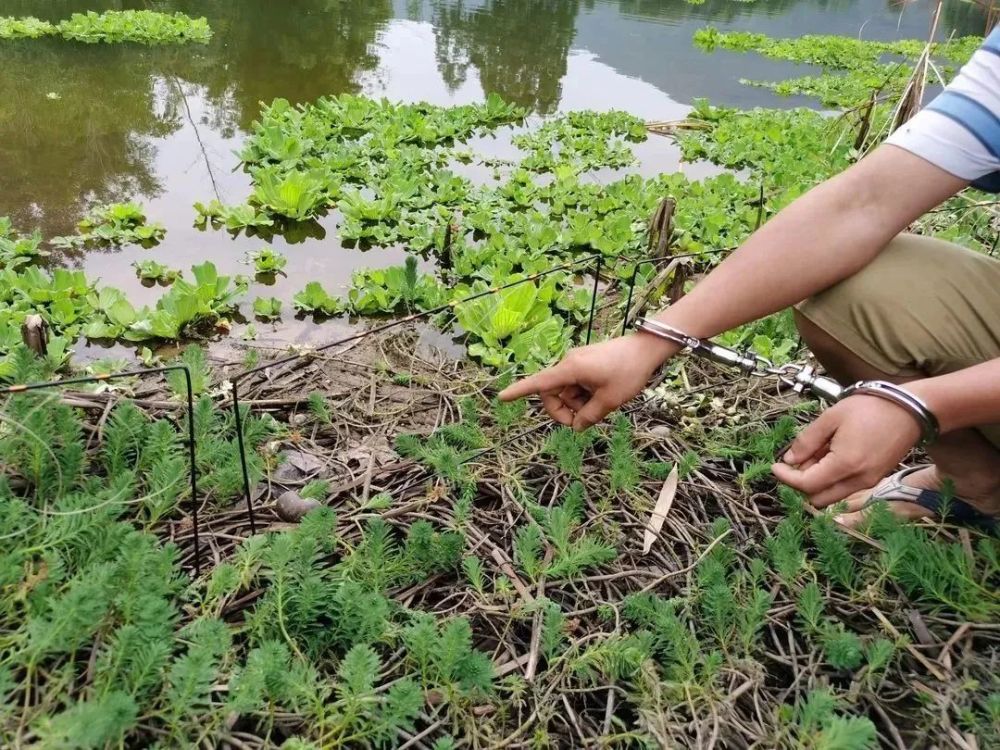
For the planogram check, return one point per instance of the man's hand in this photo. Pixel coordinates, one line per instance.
(850, 447)
(594, 380)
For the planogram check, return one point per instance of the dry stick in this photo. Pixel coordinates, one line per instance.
(366, 489)
(572, 718)
(920, 628)
(643, 298)
(890, 727)
(649, 587)
(924, 661)
(415, 739)
(512, 665)
(536, 625)
(609, 711)
(955, 638)
(508, 570)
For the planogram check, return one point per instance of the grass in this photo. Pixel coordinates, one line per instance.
(492, 595)
(473, 576)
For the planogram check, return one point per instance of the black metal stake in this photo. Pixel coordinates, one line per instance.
(593, 296)
(247, 490)
(192, 458)
(631, 291)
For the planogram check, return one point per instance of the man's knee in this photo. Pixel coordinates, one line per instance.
(922, 306)
(864, 325)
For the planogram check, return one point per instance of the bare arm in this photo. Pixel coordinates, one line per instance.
(966, 398)
(823, 237)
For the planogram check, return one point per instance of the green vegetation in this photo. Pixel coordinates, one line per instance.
(481, 582)
(394, 289)
(17, 250)
(315, 300)
(861, 67)
(385, 167)
(267, 262)
(395, 616)
(112, 226)
(151, 271)
(113, 26)
(267, 308)
(24, 28)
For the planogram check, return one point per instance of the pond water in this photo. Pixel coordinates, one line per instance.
(86, 124)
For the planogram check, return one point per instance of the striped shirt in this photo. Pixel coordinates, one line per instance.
(959, 131)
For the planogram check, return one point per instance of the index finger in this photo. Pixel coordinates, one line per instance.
(822, 475)
(552, 379)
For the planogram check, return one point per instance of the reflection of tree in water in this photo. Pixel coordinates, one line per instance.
(519, 47)
(719, 11)
(962, 16)
(96, 143)
(967, 18)
(88, 142)
(300, 51)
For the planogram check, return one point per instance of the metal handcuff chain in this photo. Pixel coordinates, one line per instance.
(801, 378)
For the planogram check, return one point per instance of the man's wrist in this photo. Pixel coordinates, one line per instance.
(935, 394)
(657, 349)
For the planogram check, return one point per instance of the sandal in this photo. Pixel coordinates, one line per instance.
(956, 511)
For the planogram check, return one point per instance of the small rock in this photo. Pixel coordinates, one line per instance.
(292, 506)
(297, 420)
(660, 431)
(296, 466)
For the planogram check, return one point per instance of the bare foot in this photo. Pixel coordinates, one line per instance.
(927, 478)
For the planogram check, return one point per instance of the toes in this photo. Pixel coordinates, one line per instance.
(854, 517)
(910, 511)
(850, 520)
(856, 500)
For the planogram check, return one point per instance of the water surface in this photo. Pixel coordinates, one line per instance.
(86, 124)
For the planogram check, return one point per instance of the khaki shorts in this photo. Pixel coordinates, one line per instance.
(922, 307)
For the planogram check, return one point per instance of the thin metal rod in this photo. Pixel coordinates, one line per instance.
(593, 296)
(243, 457)
(628, 301)
(192, 452)
(192, 458)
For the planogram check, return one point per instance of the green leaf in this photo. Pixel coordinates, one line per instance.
(357, 672)
(267, 308)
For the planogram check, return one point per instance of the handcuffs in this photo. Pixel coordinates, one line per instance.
(800, 377)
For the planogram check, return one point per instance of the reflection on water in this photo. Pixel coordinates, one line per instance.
(517, 47)
(82, 124)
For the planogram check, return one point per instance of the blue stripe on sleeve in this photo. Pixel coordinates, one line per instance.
(992, 42)
(971, 115)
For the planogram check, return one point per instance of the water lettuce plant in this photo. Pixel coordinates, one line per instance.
(315, 300)
(16, 249)
(153, 272)
(266, 262)
(394, 289)
(852, 68)
(27, 27)
(114, 225)
(267, 308)
(113, 26)
(136, 26)
(188, 308)
(517, 324)
(582, 141)
(233, 218)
